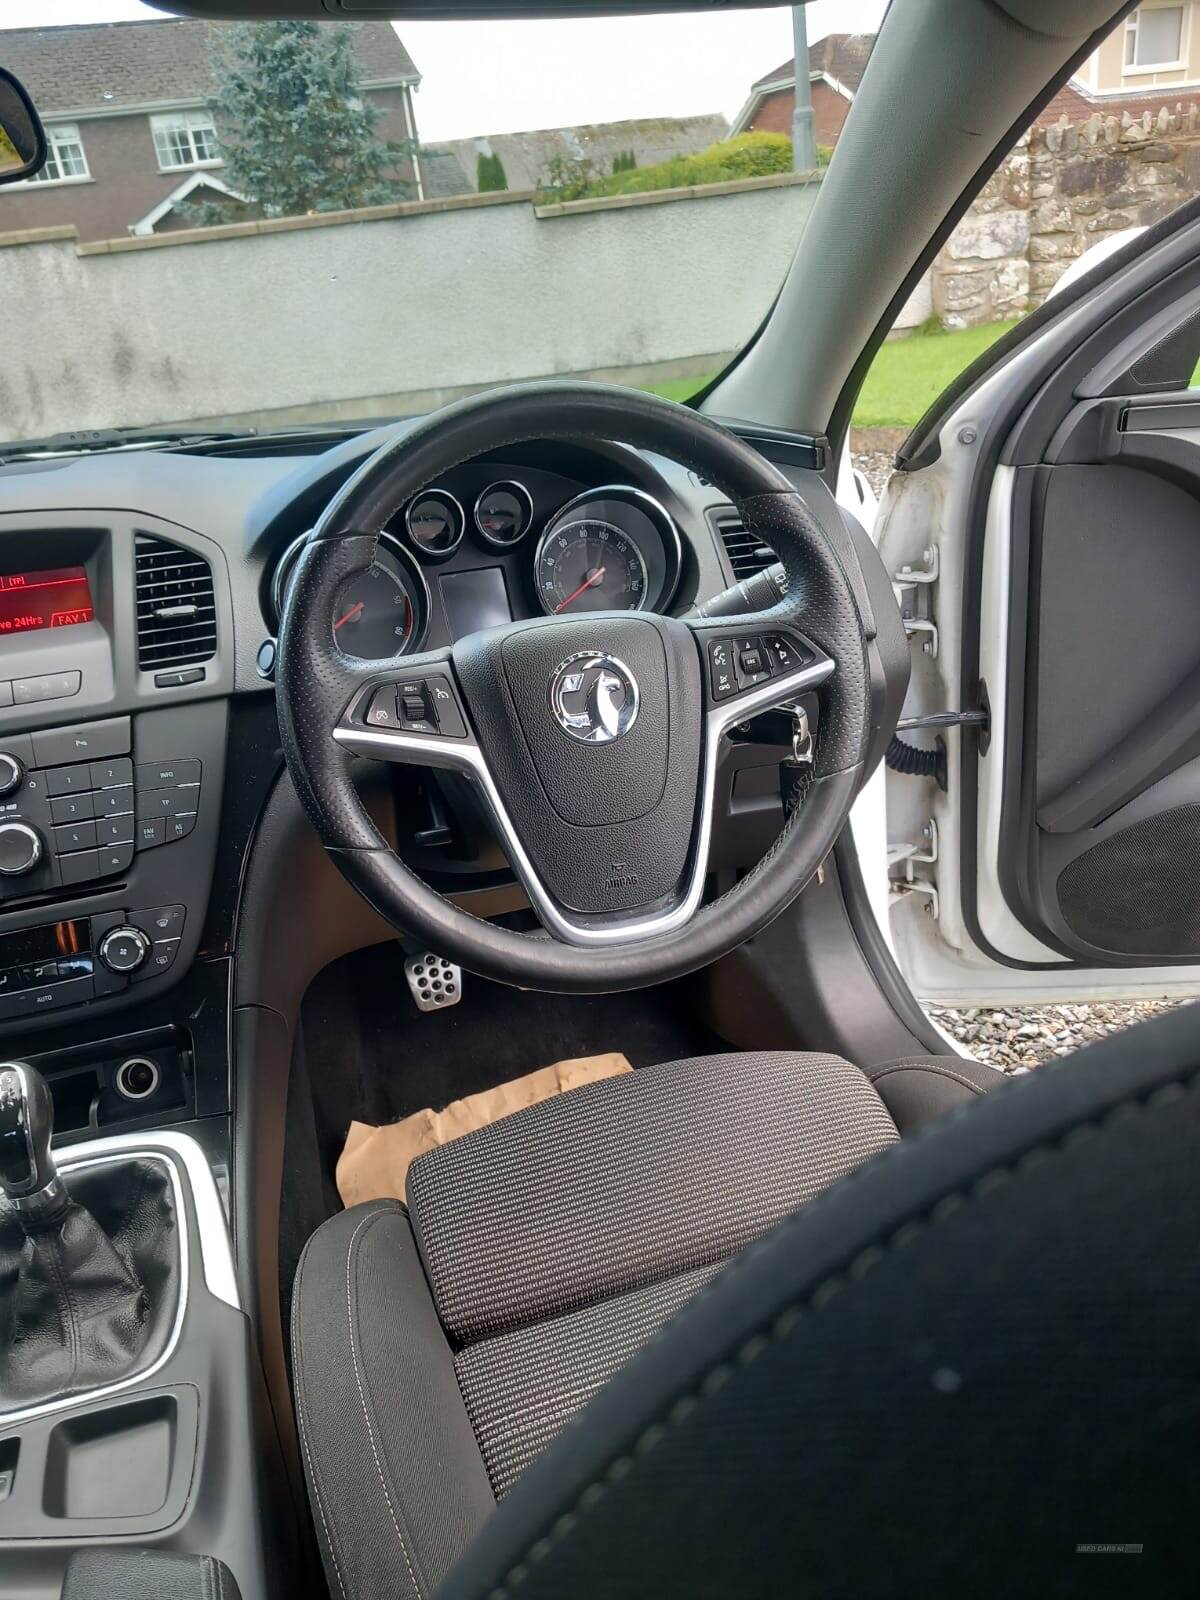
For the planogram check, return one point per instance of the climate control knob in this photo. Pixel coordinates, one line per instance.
(12, 770)
(20, 848)
(124, 950)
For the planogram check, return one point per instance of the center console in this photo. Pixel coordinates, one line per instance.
(116, 660)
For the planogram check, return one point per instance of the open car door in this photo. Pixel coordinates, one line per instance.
(1044, 532)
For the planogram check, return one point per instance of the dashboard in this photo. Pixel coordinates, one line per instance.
(154, 861)
(495, 542)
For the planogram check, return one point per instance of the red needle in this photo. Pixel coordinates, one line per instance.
(589, 582)
(350, 615)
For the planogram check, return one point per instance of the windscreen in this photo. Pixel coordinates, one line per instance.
(291, 222)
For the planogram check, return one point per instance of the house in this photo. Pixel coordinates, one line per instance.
(526, 156)
(1152, 59)
(836, 64)
(129, 131)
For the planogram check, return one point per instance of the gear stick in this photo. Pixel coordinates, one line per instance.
(29, 1178)
(89, 1265)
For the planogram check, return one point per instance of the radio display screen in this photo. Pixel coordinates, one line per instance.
(59, 597)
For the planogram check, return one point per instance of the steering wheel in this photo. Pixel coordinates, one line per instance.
(594, 739)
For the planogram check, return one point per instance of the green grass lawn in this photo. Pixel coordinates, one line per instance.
(906, 376)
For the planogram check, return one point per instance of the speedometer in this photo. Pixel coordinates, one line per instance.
(589, 565)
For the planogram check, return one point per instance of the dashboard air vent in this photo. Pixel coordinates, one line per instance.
(176, 609)
(746, 551)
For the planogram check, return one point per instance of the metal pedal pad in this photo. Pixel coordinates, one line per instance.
(435, 982)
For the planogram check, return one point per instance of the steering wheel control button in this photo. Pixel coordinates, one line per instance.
(720, 669)
(20, 849)
(443, 704)
(782, 655)
(750, 663)
(12, 770)
(383, 712)
(124, 950)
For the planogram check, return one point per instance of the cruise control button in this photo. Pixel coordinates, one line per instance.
(442, 701)
(383, 713)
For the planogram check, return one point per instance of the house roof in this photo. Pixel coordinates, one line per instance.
(525, 155)
(838, 55)
(1076, 102)
(98, 66)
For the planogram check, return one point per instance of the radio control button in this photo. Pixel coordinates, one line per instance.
(20, 848)
(108, 774)
(151, 831)
(12, 770)
(115, 858)
(82, 741)
(68, 780)
(71, 808)
(165, 774)
(82, 867)
(115, 830)
(108, 802)
(75, 836)
(180, 825)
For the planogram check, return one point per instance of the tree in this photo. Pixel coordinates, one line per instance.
(292, 126)
(490, 174)
(624, 161)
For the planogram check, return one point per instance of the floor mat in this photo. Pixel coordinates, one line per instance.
(372, 1057)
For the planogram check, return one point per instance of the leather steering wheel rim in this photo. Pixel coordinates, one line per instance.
(318, 688)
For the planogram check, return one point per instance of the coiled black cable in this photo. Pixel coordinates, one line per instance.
(913, 763)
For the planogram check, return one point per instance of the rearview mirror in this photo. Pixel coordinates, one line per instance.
(22, 137)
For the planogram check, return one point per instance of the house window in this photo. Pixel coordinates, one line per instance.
(185, 139)
(65, 160)
(1154, 37)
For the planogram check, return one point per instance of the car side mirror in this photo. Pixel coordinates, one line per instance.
(22, 137)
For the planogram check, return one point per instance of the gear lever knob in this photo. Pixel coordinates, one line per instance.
(29, 1178)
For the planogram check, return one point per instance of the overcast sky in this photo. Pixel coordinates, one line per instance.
(502, 77)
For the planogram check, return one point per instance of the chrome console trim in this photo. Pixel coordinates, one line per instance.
(183, 1159)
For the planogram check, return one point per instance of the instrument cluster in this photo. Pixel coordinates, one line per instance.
(489, 548)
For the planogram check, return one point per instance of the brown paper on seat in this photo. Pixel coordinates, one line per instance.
(374, 1161)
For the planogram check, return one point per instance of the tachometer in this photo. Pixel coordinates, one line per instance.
(589, 565)
(378, 613)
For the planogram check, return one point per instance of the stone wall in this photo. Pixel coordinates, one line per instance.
(1062, 189)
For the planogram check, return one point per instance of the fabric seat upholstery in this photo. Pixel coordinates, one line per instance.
(439, 1349)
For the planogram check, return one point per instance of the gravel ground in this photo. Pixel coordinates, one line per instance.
(1019, 1037)
(875, 466)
